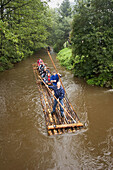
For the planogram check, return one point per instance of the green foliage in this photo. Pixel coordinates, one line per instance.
(65, 9)
(61, 26)
(65, 58)
(5, 64)
(92, 39)
(24, 29)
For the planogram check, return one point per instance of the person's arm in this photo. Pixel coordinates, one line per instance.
(59, 74)
(52, 87)
(53, 81)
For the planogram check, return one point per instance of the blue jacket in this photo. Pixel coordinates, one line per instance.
(59, 93)
(55, 78)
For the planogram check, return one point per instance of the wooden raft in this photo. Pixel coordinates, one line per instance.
(55, 123)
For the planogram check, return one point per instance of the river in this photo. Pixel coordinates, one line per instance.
(24, 143)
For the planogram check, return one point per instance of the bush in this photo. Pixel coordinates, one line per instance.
(65, 58)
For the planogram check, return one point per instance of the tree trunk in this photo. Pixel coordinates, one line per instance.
(1, 37)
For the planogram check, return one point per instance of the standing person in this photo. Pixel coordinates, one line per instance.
(59, 94)
(48, 48)
(54, 78)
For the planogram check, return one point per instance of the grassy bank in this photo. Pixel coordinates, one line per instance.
(65, 58)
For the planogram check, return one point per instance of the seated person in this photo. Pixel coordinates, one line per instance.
(47, 78)
(41, 67)
(55, 78)
(40, 61)
(44, 71)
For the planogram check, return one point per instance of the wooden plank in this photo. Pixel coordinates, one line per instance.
(65, 126)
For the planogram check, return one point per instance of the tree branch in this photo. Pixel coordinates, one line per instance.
(15, 8)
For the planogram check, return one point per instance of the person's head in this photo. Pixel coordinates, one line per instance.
(58, 84)
(41, 63)
(45, 68)
(49, 75)
(54, 73)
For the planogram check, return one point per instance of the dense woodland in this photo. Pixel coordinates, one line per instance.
(82, 34)
(61, 25)
(92, 42)
(24, 28)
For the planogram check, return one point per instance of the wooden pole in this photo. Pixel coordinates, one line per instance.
(56, 71)
(61, 82)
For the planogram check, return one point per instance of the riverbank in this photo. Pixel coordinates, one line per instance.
(8, 63)
(82, 67)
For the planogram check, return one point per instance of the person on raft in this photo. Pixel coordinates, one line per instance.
(41, 67)
(47, 78)
(44, 71)
(59, 94)
(48, 49)
(39, 61)
(55, 78)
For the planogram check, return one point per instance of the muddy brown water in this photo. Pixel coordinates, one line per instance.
(24, 143)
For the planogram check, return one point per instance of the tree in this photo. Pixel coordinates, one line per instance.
(61, 25)
(23, 28)
(65, 9)
(92, 39)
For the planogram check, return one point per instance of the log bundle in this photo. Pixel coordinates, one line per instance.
(55, 123)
